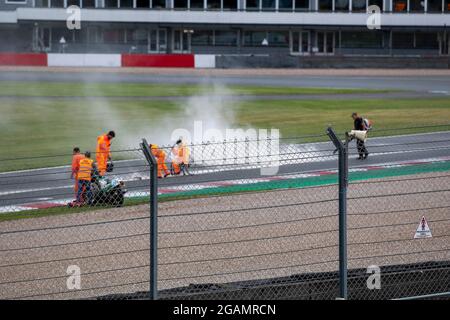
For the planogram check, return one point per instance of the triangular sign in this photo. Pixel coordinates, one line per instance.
(423, 230)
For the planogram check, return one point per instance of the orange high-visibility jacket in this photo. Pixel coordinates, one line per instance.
(85, 171)
(161, 155)
(103, 147)
(76, 164)
(183, 153)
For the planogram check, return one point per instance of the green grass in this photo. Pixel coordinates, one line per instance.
(11, 88)
(296, 118)
(41, 126)
(61, 210)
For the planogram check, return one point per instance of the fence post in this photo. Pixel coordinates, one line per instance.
(342, 149)
(153, 293)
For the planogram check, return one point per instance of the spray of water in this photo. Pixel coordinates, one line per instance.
(65, 122)
(209, 105)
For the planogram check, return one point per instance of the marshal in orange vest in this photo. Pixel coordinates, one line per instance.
(85, 171)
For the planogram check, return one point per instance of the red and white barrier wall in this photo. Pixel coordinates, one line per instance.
(109, 60)
(23, 59)
(83, 60)
(157, 60)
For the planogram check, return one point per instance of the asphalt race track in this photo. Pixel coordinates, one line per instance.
(433, 83)
(111, 246)
(51, 184)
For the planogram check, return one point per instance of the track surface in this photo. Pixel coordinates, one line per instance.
(422, 83)
(254, 244)
(244, 97)
(52, 184)
(34, 186)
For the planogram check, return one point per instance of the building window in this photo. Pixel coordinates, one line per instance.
(180, 4)
(252, 5)
(434, 6)
(417, 5)
(41, 3)
(230, 4)
(325, 42)
(341, 5)
(45, 38)
(301, 5)
(359, 5)
(16, 1)
(181, 41)
(58, 33)
(114, 36)
(158, 4)
(213, 4)
(94, 35)
(137, 36)
(111, 3)
(285, 5)
(202, 38)
(268, 5)
(225, 38)
(88, 3)
(378, 3)
(126, 3)
(264, 38)
(196, 4)
(278, 38)
(325, 5)
(399, 5)
(57, 4)
(254, 38)
(157, 40)
(447, 6)
(427, 40)
(142, 3)
(301, 42)
(402, 40)
(372, 39)
(73, 3)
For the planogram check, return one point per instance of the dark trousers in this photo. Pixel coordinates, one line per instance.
(360, 145)
(84, 191)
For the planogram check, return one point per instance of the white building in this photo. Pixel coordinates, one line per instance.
(230, 27)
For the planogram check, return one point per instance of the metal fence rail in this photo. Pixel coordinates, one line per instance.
(253, 237)
(264, 219)
(106, 242)
(383, 216)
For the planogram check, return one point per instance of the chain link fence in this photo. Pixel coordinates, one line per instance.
(240, 219)
(391, 205)
(75, 249)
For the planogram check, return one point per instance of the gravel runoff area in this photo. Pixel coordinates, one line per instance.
(212, 240)
(240, 72)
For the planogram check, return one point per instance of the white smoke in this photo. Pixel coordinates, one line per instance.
(88, 112)
(211, 105)
(212, 108)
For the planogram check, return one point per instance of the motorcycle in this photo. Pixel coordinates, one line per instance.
(107, 191)
(104, 191)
